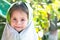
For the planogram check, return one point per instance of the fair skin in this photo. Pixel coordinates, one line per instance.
(19, 20)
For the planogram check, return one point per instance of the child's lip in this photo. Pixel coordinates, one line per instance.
(18, 27)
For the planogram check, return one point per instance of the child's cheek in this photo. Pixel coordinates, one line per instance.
(13, 24)
(25, 24)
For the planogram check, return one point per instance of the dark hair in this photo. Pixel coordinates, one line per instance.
(19, 6)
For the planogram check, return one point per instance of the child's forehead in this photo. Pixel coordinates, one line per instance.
(19, 14)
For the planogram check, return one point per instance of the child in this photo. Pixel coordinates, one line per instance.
(19, 24)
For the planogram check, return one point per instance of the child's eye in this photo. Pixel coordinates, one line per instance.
(14, 19)
(22, 20)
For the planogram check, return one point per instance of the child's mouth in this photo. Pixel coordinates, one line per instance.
(18, 27)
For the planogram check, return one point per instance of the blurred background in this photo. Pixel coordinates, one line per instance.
(44, 12)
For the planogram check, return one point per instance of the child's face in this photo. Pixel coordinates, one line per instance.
(19, 20)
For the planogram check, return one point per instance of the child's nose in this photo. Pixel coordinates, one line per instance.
(19, 23)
